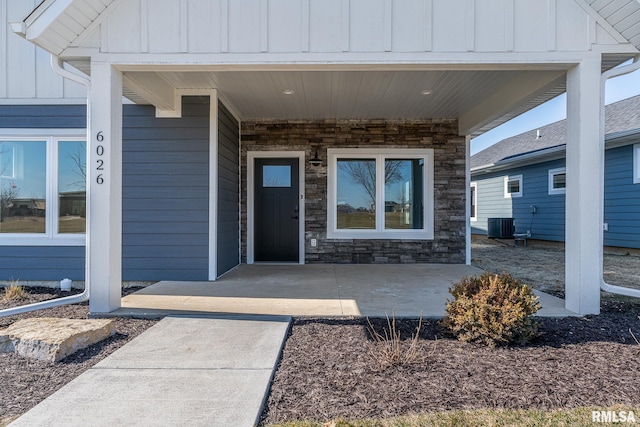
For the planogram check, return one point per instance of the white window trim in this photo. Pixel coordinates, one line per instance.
(636, 163)
(333, 154)
(474, 196)
(508, 179)
(50, 237)
(552, 173)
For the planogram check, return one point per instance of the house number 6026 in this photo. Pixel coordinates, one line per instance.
(100, 162)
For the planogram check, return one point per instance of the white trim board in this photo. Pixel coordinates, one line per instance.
(213, 183)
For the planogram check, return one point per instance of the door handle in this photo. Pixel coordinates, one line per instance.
(295, 217)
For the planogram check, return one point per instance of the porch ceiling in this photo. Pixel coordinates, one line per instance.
(476, 97)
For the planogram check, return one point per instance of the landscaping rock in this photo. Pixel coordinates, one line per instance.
(52, 339)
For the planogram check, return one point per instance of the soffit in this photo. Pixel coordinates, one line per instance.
(343, 94)
(58, 24)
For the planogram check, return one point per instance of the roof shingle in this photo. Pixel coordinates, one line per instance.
(620, 116)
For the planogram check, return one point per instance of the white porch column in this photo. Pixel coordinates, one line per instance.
(468, 199)
(585, 192)
(104, 188)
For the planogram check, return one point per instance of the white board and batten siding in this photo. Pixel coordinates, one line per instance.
(26, 76)
(338, 26)
(326, 27)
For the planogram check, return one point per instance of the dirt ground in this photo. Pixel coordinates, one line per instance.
(541, 264)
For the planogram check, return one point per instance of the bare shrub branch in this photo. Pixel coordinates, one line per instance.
(388, 349)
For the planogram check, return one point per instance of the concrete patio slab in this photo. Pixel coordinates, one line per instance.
(191, 371)
(409, 290)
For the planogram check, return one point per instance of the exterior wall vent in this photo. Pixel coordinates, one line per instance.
(500, 228)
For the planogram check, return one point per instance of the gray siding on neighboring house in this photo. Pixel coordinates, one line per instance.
(547, 223)
(166, 193)
(42, 263)
(228, 245)
(490, 201)
(621, 199)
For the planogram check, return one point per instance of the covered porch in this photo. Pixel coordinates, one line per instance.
(315, 290)
(355, 83)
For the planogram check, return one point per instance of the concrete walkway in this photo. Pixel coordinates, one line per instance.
(409, 290)
(183, 371)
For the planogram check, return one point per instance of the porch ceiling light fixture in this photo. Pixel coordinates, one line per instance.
(315, 160)
(426, 92)
(288, 91)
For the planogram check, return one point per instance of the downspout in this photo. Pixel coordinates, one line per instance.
(614, 72)
(57, 66)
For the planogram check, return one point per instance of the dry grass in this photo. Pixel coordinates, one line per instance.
(14, 292)
(388, 348)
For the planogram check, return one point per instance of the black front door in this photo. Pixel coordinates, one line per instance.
(277, 210)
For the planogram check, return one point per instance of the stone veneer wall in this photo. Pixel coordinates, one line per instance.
(448, 245)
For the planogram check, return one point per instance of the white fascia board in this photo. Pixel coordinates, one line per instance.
(619, 139)
(43, 16)
(526, 159)
(356, 61)
(20, 28)
(43, 101)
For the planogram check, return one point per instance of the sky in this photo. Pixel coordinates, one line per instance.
(617, 88)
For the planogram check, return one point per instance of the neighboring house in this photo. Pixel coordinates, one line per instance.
(524, 178)
(301, 131)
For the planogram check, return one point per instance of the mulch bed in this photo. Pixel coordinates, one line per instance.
(26, 382)
(327, 372)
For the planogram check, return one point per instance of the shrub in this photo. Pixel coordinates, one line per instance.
(492, 309)
(14, 292)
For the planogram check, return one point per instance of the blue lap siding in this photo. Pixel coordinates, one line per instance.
(165, 218)
(165, 196)
(228, 249)
(621, 199)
